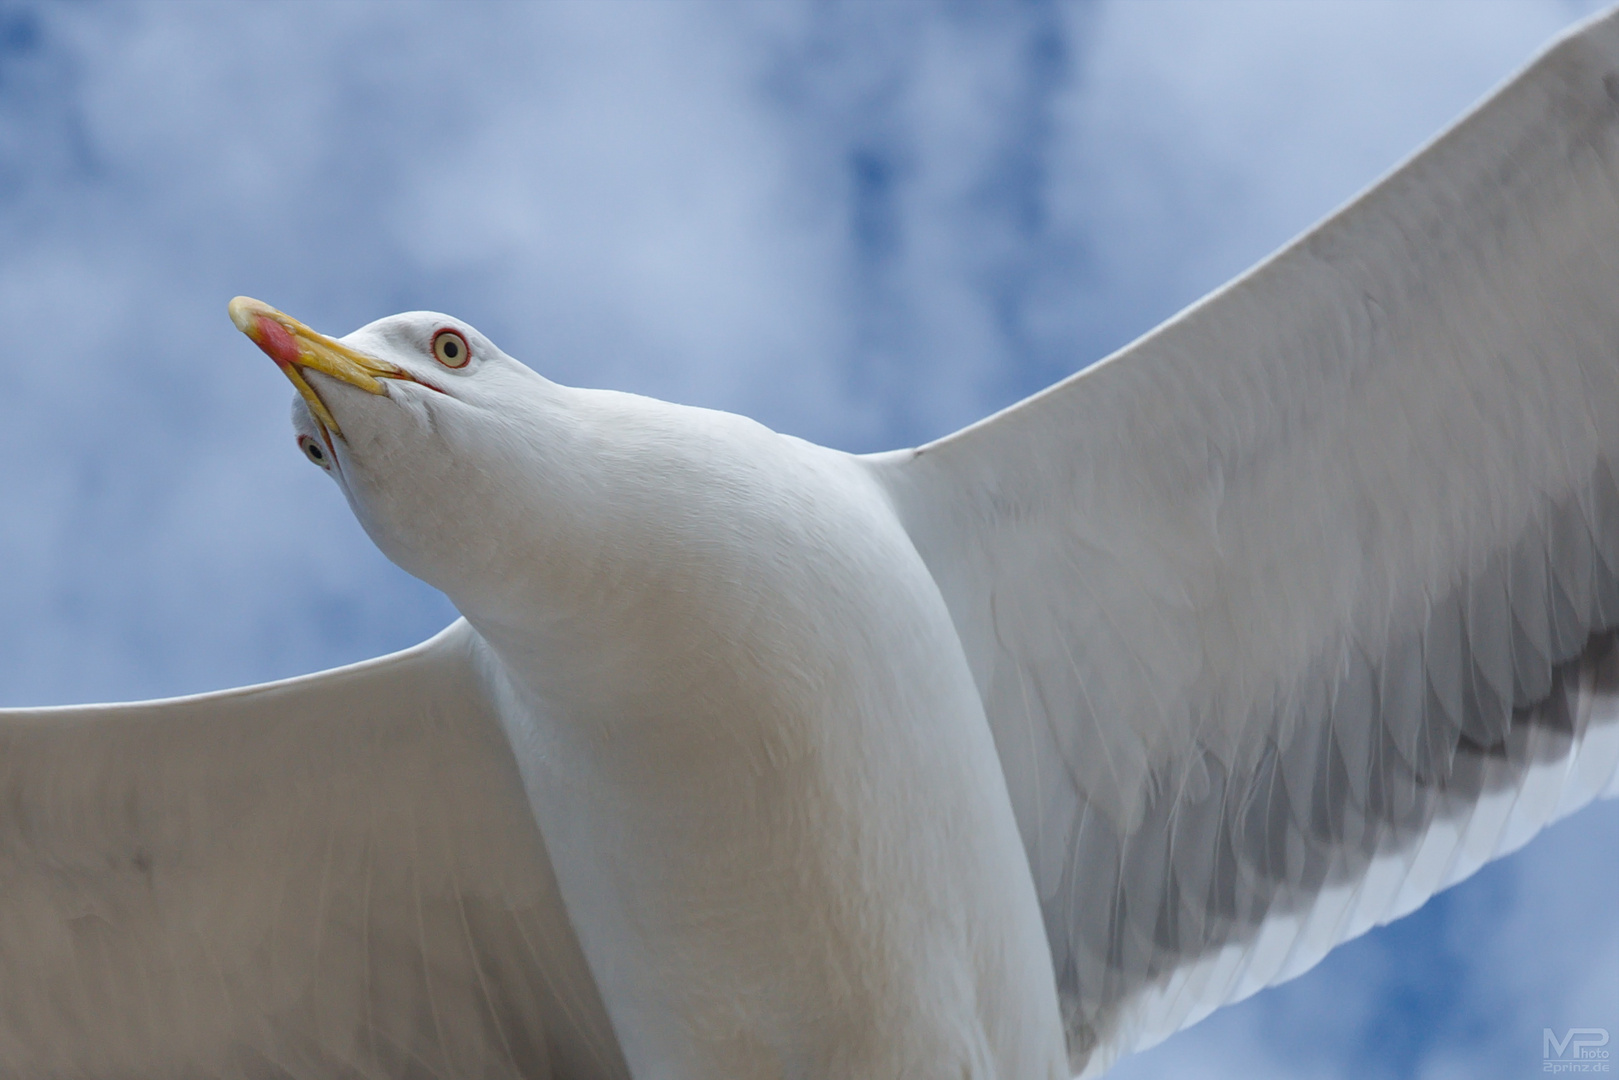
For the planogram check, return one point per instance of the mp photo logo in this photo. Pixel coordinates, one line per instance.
(1579, 1050)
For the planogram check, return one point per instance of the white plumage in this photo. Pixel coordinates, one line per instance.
(1110, 709)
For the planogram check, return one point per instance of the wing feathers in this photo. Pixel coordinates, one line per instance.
(1309, 590)
(336, 875)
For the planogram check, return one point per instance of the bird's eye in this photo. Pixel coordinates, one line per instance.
(451, 349)
(314, 451)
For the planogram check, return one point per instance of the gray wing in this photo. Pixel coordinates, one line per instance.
(1296, 610)
(335, 875)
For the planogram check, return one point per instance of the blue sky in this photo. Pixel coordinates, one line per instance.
(862, 224)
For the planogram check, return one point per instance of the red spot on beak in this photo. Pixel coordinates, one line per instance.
(278, 344)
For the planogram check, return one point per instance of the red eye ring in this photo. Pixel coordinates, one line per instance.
(450, 349)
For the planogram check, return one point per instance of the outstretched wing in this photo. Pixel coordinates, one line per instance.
(1295, 611)
(335, 875)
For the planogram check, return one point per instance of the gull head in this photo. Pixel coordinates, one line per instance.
(428, 428)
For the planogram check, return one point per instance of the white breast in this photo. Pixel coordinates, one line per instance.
(763, 770)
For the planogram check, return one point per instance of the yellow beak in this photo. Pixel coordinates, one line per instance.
(294, 346)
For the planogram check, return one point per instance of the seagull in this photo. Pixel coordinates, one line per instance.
(1002, 756)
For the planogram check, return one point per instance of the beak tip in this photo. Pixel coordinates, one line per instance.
(243, 312)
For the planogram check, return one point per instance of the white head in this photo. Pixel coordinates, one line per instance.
(441, 442)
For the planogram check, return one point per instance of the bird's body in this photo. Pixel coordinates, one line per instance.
(739, 705)
(751, 758)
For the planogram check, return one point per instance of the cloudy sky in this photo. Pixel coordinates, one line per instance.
(863, 224)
